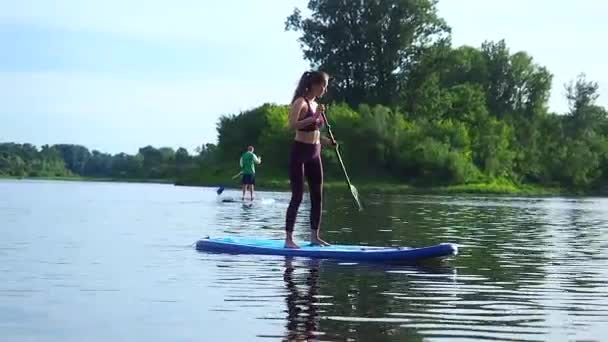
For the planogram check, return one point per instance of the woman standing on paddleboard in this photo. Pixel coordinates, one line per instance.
(305, 156)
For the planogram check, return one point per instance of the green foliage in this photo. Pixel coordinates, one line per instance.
(437, 152)
(585, 118)
(367, 46)
(236, 132)
(25, 160)
(467, 116)
(581, 156)
(74, 156)
(274, 138)
(406, 107)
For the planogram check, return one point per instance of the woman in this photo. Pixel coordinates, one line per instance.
(305, 157)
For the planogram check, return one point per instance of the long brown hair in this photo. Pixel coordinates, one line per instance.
(308, 79)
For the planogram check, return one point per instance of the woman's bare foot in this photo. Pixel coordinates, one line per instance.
(289, 241)
(290, 244)
(316, 240)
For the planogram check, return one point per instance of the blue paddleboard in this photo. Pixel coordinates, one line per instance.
(339, 252)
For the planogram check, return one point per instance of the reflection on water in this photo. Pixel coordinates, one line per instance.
(529, 269)
(302, 305)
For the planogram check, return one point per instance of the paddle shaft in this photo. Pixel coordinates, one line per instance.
(331, 136)
(238, 174)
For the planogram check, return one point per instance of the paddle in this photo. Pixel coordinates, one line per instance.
(238, 174)
(352, 188)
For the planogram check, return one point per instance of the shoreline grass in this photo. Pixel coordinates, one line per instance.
(371, 187)
(495, 188)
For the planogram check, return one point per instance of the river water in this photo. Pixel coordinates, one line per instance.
(87, 261)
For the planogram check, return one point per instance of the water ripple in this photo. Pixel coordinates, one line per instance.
(529, 269)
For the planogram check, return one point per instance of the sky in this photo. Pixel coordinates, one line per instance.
(119, 75)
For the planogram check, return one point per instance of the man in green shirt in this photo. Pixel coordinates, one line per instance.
(247, 163)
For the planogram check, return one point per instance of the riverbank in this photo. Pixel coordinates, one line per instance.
(370, 187)
(497, 188)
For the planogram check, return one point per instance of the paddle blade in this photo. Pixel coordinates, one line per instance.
(355, 193)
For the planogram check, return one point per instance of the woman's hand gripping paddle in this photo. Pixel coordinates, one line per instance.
(352, 188)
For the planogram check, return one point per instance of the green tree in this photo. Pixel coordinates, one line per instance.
(585, 148)
(49, 163)
(183, 162)
(514, 84)
(12, 165)
(585, 118)
(152, 161)
(275, 138)
(207, 153)
(236, 132)
(99, 165)
(74, 156)
(367, 46)
(126, 166)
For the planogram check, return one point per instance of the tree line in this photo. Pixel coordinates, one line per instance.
(405, 104)
(65, 160)
(410, 107)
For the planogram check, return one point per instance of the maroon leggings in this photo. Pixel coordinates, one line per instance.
(305, 160)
